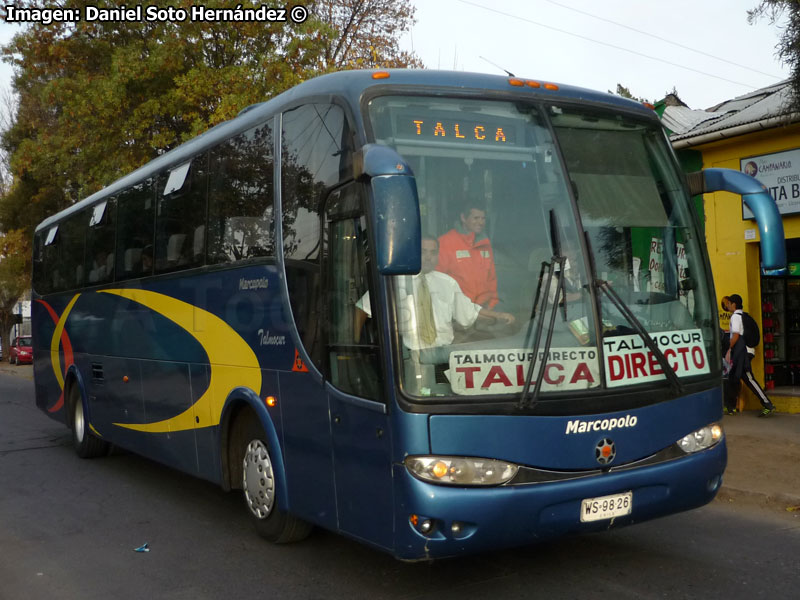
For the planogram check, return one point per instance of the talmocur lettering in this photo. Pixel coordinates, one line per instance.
(578, 426)
(661, 339)
(510, 376)
(521, 356)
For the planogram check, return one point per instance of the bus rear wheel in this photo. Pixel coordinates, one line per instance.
(86, 444)
(261, 492)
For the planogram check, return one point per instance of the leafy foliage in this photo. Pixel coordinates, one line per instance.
(96, 100)
(788, 46)
(14, 278)
(366, 33)
(626, 93)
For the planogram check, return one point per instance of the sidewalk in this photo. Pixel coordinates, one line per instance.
(763, 460)
(763, 456)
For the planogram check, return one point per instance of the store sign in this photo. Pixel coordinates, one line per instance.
(780, 173)
(475, 372)
(629, 361)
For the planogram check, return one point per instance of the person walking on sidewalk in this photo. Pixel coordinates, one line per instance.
(740, 356)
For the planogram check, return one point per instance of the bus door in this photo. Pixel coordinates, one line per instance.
(359, 413)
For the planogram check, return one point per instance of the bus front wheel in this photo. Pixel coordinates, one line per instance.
(260, 492)
(87, 445)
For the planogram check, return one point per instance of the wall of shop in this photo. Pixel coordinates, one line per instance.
(733, 242)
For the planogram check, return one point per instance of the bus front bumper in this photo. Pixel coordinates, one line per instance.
(434, 521)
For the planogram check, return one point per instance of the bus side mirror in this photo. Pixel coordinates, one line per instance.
(756, 197)
(395, 213)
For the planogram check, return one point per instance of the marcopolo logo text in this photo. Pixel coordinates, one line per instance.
(577, 426)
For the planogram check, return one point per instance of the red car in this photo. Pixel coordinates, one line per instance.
(21, 351)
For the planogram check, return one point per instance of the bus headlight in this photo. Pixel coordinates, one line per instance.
(703, 438)
(461, 470)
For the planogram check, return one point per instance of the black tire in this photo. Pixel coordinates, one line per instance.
(261, 489)
(86, 444)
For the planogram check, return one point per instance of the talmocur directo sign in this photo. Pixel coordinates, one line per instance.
(628, 361)
(502, 371)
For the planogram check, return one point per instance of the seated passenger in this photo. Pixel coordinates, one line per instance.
(465, 254)
(99, 270)
(145, 264)
(428, 304)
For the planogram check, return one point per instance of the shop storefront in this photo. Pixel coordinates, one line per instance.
(759, 135)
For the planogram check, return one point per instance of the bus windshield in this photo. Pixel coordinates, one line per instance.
(505, 253)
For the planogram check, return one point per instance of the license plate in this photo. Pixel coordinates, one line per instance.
(606, 507)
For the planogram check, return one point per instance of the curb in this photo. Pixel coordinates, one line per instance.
(787, 502)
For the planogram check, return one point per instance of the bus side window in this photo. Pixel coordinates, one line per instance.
(39, 263)
(99, 260)
(240, 198)
(353, 352)
(181, 215)
(135, 219)
(67, 253)
(316, 155)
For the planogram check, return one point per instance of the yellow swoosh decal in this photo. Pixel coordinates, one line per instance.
(222, 345)
(55, 358)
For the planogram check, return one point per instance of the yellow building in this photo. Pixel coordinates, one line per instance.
(758, 134)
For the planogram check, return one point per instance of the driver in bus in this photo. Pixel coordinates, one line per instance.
(465, 253)
(429, 303)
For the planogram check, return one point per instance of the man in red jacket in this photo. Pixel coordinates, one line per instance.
(465, 254)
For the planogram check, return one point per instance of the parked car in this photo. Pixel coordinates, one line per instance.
(21, 351)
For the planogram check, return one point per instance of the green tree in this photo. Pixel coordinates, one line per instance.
(97, 100)
(626, 93)
(14, 280)
(366, 33)
(788, 46)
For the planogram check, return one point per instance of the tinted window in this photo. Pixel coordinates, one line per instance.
(38, 263)
(181, 216)
(315, 155)
(65, 254)
(241, 198)
(135, 236)
(99, 260)
(352, 337)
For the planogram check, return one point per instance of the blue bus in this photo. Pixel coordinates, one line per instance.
(249, 308)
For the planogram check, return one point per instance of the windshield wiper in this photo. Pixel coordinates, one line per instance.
(669, 373)
(556, 260)
(559, 261)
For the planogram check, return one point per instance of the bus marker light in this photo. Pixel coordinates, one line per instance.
(125, 379)
(271, 401)
(534, 84)
(516, 82)
(551, 86)
(440, 469)
(380, 75)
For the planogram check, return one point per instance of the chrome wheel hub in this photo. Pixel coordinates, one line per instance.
(79, 422)
(258, 479)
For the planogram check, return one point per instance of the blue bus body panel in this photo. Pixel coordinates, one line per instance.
(147, 359)
(555, 442)
(504, 517)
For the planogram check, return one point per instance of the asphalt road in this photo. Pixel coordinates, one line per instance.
(69, 527)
